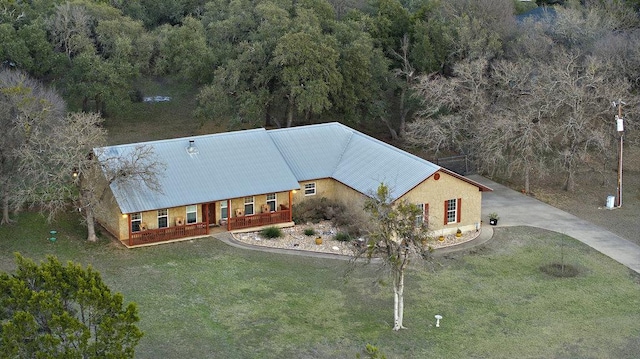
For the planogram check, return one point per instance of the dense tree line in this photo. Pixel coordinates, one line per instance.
(380, 62)
(258, 61)
(543, 106)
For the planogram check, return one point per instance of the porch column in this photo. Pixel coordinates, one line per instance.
(228, 215)
(130, 229)
(206, 215)
(290, 206)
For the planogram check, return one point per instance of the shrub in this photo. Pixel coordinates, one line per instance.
(315, 210)
(271, 232)
(343, 237)
(309, 232)
(349, 219)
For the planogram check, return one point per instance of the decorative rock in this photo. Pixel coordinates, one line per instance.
(335, 248)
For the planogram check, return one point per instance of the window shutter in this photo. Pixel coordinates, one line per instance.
(445, 213)
(459, 209)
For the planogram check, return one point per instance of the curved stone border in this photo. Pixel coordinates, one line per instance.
(486, 233)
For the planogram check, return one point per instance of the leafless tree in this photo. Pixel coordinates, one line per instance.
(452, 107)
(408, 74)
(26, 107)
(69, 27)
(63, 168)
(545, 108)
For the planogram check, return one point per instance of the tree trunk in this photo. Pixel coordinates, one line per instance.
(5, 208)
(85, 104)
(291, 109)
(267, 117)
(527, 176)
(569, 184)
(91, 226)
(403, 113)
(398, 300)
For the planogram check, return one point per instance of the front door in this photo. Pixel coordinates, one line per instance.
(211, 207)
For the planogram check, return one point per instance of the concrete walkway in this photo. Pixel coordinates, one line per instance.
(516, 209)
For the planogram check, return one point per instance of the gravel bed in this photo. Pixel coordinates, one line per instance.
(294, 238)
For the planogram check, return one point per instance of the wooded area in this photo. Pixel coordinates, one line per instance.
(523, 96)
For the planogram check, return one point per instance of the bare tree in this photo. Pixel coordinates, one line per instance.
(452, 108)
(26, 107)
(408, 74)
(63, 168)
(546, 108)
(69, 28)
(397, 235)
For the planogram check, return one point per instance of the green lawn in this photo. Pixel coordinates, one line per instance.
(204, 299)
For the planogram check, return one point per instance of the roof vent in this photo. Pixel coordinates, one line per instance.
(192, 149)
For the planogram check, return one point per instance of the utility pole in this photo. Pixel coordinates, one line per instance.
(620, 129)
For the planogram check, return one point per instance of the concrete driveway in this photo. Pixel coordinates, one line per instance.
(516, 209)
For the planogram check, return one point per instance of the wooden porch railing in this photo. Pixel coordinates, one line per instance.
(260, 219)
(169, 233)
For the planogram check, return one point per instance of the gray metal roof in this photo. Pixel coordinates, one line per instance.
(367, 162)
(251, 162)
(332, 150)
(226, 165)
(314, 151)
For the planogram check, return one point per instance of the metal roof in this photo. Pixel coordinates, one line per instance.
(225, 165)
(367, 162)
(251, 162)
(313, 151)
(333, 150)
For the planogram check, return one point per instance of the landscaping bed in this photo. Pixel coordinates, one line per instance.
(333, 240)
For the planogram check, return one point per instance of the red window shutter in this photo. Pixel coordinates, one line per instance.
(459, 209)
(445, 213)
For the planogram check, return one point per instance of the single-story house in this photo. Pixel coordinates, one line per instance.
(253, 178)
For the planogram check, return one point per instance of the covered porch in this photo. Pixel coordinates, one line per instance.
(259, 220)
(207, 224)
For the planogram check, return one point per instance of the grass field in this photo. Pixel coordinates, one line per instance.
(204, 299)
(135, 122)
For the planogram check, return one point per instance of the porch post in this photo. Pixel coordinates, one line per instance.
(206, 214)
(290, 206)
(129, 225)
(228, 215)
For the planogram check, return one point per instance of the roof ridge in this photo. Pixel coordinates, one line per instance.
(176, 139)
(394, 148)
(344, 149)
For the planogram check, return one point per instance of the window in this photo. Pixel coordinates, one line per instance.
(163, 218)
(310, 189)
(192, 214)
(423, 217)
(136, 220)
(248, 206)
(452, 210)
(224, 210)
(271, 202)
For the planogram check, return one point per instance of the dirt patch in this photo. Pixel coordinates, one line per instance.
(560, 270)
